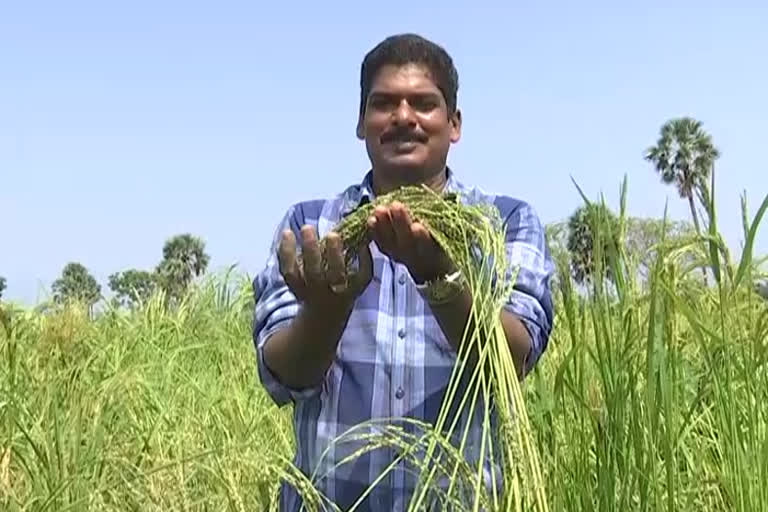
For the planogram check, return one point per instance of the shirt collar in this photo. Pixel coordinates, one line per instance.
(363, 192)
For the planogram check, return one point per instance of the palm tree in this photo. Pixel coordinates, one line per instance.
(685, 155)
(76, 283)
(582, 238)
(184, 258)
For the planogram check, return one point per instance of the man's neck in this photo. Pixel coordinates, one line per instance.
(383, 184)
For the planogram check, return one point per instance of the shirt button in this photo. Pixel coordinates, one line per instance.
(400, 393)
(401, 333)
(401, 279)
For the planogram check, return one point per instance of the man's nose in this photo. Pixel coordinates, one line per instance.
(404, 113)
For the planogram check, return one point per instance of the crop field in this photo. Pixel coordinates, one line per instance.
(652, 395)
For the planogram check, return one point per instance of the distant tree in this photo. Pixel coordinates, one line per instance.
(2, 286)
(685, 154)
(556, 234)
(643, 235)
(582, 225)
(762, 289)
(76, 283)
(184, 258)
(571, 241)
(132, 286)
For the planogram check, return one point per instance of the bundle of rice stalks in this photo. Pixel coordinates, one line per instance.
(484, 385)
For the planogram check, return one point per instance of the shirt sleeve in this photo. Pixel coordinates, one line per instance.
(532, 268)
(275, 307)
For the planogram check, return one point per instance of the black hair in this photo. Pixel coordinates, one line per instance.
(403, 49)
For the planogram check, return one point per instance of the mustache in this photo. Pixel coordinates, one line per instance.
(407, 135)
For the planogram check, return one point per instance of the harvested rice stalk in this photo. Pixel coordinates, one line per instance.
(473, 236)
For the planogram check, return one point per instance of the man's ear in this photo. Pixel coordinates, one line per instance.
(456, 126)
(360, 131)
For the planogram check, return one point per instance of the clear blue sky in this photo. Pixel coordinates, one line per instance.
(122, 124)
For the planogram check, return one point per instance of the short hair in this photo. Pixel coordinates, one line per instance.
(402, 49)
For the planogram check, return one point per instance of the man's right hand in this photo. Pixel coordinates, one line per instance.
(301, 354)
(330, 291)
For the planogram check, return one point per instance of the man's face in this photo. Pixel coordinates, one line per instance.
(406, 126)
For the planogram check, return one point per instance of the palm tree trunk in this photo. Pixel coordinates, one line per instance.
(698, 230)
(693, 214)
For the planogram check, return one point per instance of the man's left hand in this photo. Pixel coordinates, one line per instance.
(408, 242)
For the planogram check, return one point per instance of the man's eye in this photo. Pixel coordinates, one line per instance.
(424, 104)
(381, 103)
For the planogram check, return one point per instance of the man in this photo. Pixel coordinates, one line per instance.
(379, 344)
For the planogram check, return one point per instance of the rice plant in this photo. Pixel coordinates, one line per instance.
(648, 398)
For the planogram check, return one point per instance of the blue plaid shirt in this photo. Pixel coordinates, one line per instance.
(393, 359)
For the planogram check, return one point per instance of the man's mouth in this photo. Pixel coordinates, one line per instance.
(401, 138)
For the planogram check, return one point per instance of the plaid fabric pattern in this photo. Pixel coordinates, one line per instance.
(393, 359)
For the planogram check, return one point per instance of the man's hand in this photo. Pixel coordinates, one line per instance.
(301, 353)
(330, 290)
(408, 242)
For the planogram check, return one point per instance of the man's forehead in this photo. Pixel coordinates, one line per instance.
(411, 76)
